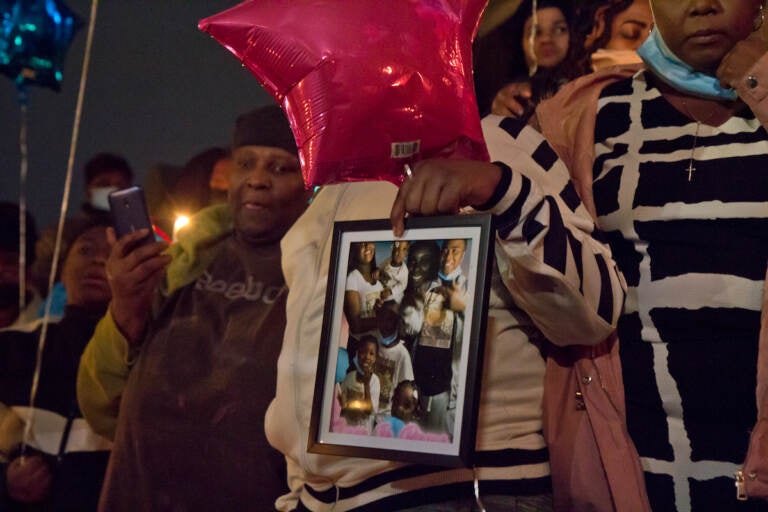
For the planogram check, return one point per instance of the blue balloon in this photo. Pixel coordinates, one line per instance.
(342, 365)
(34, 38)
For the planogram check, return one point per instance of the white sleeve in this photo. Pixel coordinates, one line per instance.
(548, 248)
(400, 282)
(353, 282)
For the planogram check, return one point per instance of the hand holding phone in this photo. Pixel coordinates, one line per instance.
(135, 267)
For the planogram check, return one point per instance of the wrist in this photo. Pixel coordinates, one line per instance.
(130, 326)
(499, 178)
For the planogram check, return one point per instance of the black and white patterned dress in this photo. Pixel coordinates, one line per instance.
(693, 253)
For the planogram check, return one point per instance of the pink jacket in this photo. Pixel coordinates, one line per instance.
(752, 480)
(593, 461)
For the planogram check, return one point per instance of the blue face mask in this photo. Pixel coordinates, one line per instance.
(450, 277)
(667, 66)
(388, 340)
(357, 366)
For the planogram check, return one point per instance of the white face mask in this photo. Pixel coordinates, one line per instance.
(100, 197)
(603, 58)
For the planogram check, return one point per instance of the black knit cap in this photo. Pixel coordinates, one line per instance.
(264, 126)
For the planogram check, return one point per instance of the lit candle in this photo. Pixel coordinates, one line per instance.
(180, 222)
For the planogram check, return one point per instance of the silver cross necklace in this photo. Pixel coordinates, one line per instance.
(691, 168)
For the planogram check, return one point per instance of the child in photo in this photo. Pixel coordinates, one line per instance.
(393, 363)
(406, 411)
(394, 273)
(360, 390)
(338, 423)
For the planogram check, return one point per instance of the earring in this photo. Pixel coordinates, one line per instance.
(759, 20)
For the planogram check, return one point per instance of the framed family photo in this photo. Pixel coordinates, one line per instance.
(400, 358)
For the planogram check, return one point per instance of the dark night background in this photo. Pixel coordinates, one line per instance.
(158, 90)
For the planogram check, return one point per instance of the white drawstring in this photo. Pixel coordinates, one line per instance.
(477, 486)
(338, 493)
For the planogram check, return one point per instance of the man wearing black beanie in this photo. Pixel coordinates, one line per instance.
(190, 433)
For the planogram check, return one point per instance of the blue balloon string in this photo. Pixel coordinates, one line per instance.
(22, 93)
(23, 206)
(62, 214)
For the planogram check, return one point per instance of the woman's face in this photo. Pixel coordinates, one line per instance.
(366, 251)
(84, 274)
(630, 27)
(551, 41)
(702, 32)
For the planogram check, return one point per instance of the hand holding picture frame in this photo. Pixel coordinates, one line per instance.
(400, 358)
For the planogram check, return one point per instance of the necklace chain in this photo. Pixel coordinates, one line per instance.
(691, 168)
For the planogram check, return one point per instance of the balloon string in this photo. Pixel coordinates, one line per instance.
(532, 38)
(62, 217)
(23, 209)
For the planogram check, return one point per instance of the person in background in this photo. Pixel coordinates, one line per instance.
(605, 33)
(613, 32)
(63, 467)
(158, 184)
(174, 191)
(187, 413)
(546, 43)
(103, 173)
(10, 313)
(203, 181)
(521, 56)
(219, 182)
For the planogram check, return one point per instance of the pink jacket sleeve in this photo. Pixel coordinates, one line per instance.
(753, 89)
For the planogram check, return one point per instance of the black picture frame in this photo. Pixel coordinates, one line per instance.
(444, 432)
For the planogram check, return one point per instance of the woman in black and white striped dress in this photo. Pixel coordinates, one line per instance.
(680, 187)
(675, 170)
(681, 190)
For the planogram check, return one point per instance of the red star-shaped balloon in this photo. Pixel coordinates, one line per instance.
(367, 85)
